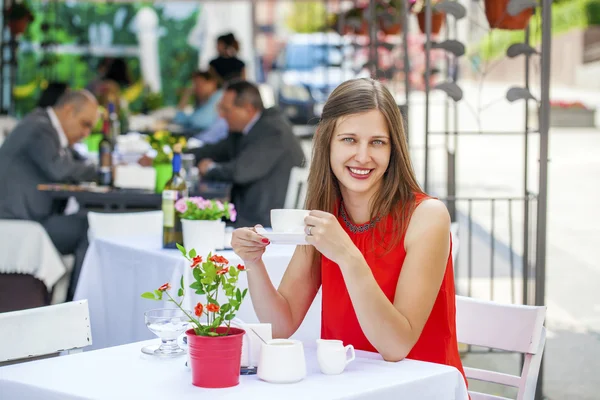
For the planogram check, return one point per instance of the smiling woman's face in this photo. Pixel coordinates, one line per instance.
(360, 153)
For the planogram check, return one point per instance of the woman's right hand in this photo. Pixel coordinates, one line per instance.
(248, 244)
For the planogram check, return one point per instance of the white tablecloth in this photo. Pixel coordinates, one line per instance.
(125, 373)
(26, 248)
(117, 271)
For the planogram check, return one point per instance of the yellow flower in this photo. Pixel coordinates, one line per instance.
(182, 141)
(158, 135)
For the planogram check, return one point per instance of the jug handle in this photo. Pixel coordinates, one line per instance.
(352, 355)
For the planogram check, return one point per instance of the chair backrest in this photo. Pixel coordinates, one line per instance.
(455, 242)
(296, 190)
(107, 225)
(45, 330)
(509, 327)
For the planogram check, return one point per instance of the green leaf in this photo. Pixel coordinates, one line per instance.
(197, 274)
(195, 285)
(212, 301)
(233, 271)
(206, 280)
(213, 333)
(229, 317)
(200, 291)
(244, 293)
(229, 292)
(180, 292)
(182, 249)
(238, 295)
(149, 296)
(158, 294)
(234, 303)
(218, 321)
(192, 253)
(225, 307)
(181, 282)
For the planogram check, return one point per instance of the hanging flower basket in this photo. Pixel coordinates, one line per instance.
(19, 26)
(499, 18)
(18, 16)
(390, 28)
(437, 21)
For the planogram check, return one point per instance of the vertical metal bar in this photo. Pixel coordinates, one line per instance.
(427, 88)
(373, 59)
(470, 263)
(525, 183)
(406, 64)
(510, 249)
(2, 49)
(542, 210)
(492, 248)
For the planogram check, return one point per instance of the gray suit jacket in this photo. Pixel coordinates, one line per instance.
(258, 165)
(32, 155)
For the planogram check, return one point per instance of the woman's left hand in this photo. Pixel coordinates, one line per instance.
(325, 233)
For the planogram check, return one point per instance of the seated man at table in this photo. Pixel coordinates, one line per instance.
(256, 157)
(204, 120)
(38, 151)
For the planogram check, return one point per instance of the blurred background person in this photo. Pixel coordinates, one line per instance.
(227, 65)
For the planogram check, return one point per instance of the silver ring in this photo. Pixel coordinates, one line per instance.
(309, 230)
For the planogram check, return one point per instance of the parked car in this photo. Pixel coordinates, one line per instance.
(307, 70)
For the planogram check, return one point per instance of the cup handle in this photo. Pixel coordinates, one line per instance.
(352, 356)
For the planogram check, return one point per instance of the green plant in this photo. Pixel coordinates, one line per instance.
(308, 17)
(210, 277)
(163, 142)
(592, 9)
(201, 209)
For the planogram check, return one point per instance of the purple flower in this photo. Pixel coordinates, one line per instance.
(232, 212)
(181, 205)
(200, 202)
(220, 205)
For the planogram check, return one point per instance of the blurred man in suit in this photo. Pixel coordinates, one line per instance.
(39, 151)
(256, 157)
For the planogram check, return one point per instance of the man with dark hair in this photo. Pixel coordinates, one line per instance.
(204, 121)
(256, 157)
(38, 151)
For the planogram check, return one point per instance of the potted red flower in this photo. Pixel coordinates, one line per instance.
(215, 347)
(18, 16)
(499, 18)
(437, 18)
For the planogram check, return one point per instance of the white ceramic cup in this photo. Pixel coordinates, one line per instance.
(282, 361)
(332, 356)
(288, 220)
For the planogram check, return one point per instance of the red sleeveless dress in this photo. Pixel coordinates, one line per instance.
(437, 342)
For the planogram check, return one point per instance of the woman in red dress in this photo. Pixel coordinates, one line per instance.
(380, 248)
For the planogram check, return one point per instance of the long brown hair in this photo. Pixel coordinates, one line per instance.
(396, 196)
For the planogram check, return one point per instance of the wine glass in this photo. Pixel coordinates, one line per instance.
(168, 324)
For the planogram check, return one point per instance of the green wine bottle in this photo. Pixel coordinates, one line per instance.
(174, 190)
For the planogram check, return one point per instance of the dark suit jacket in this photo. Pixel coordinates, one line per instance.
(258, 164)
(32, 155)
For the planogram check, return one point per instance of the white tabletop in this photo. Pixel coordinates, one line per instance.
(117, 271)
(123, 372)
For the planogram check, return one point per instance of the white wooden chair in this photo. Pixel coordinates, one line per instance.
(106, 225)
(455, 242)
(508, 327)
(296, 190)
(45, 330)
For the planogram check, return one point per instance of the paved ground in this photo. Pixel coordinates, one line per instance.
(492, 166)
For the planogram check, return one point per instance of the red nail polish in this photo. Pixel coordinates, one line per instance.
(265, 240)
